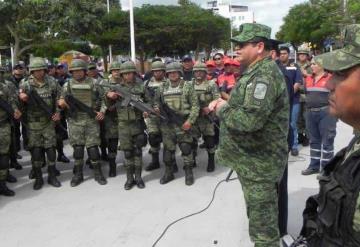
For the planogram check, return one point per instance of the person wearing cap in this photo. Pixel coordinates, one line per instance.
(254, 129)
(320, 124)
(210, 65)
(41, 127)
(226, 81)
(153, 122)
(218, 58)
(303, 62)
(84, 129)
(188, 65)
(294, 74)
(61, 73)
(332, 217)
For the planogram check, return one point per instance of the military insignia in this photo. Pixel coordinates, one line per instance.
(260, 91)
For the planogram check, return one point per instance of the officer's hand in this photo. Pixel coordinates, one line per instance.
(186, 126)
(17, 114)
(145, 114)
(23, 96)
(56, 117)
(112, 95)
(99, 116)
(205, 111)
(62, 104)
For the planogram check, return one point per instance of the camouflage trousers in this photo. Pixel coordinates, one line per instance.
(5, 133)
(173, 135)
(262, 209)
(44, 137)
(203, 127)
(153, 128)
(84, 132)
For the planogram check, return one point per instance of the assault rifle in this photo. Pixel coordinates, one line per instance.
(129, 99)
(76, 106)
(5, 106)
(35, 99)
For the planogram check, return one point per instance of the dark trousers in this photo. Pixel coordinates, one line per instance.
(283, 202)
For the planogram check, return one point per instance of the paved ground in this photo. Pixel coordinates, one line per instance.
(91, 215)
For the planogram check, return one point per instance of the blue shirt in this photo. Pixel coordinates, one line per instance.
(294, 75)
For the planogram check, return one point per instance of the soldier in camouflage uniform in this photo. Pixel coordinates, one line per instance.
(206, 91)
(84, 130)
(153, 122)
(111, 119)
(41, 128)
(179, 97)
(253, 131)
(7, 94)
(304, 64)
(131, 126)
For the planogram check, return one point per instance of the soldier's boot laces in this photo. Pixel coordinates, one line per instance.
(10, 178)
(98, 174)
(130, 182)
(154, 164)
(138, 179)
(39, 181)
(112, 166)
(52, 180)
(78, 177)
(175, 167)
(211, 163)
(189, 176)
(168, 175)
(4, 190)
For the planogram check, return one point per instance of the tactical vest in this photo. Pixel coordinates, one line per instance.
(175, 99)
(83, 91)
(127, 112)
(204, 93)
(112, 114)
(4, 95)
(336, 202)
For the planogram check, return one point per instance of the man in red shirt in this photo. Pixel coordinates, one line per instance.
(226, 81)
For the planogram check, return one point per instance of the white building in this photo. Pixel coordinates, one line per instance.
(231, 9)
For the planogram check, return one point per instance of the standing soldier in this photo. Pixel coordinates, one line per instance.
(111, 119)
(206, 91)
(83, 127)
(41, 127)
(177, 99)
(7, 95)
(131, 125)
(153, 122)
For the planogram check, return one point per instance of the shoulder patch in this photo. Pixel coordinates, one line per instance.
(260, 90)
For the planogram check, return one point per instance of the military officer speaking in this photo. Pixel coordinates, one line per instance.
(254, 129)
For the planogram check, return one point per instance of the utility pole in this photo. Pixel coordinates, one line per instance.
(132, 31)
(110, 47)
(231, 28)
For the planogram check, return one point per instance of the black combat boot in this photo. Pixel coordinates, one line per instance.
(130, 182)
(112, 166)
(138, 180)
(189, 176)
(78, 177)
(168, 175)
(175, 168)
(104, 155)
(14, 164)
(154, 164)
(98, 174)
(10, 178)
(62, 158)
(31, 174)
(39, 181)
(4, 190)
(52, 180)
(211, 163)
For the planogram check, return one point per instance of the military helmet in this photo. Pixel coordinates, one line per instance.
(174, 67)
(199, 66)
(92, 65)
(37, 63)
(303, 51)
(127, 67)
(158, 65)
(78, 64)
(115, 65)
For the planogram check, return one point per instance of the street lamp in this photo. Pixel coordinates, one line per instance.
(132, 31)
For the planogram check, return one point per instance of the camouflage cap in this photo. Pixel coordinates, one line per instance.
(303, 51)
(92, 65)
(249, 31)
(348, 56)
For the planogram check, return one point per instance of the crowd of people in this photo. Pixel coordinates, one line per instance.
(251, 111)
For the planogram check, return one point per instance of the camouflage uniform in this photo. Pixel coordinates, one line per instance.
(254, 129)
(206, 91)
(41, 128)
(5, 133)
(153, 122)
(84, 130)
(180, 97)
(131, 129)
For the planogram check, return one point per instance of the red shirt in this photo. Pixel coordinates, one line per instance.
(229, 78)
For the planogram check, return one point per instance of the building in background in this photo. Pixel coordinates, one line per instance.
(232, 9)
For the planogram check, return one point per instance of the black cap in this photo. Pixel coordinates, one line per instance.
(60, 65)
(186, 58)
(19, 66)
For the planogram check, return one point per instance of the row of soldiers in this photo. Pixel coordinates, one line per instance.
(176, 113)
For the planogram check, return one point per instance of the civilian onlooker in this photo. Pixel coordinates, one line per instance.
(294, 73)
(219, 63)
(226, 81)
(211, 74)
(320, 124)
(61, 74)
(188, 65)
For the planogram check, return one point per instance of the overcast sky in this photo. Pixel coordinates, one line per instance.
(269, 12)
